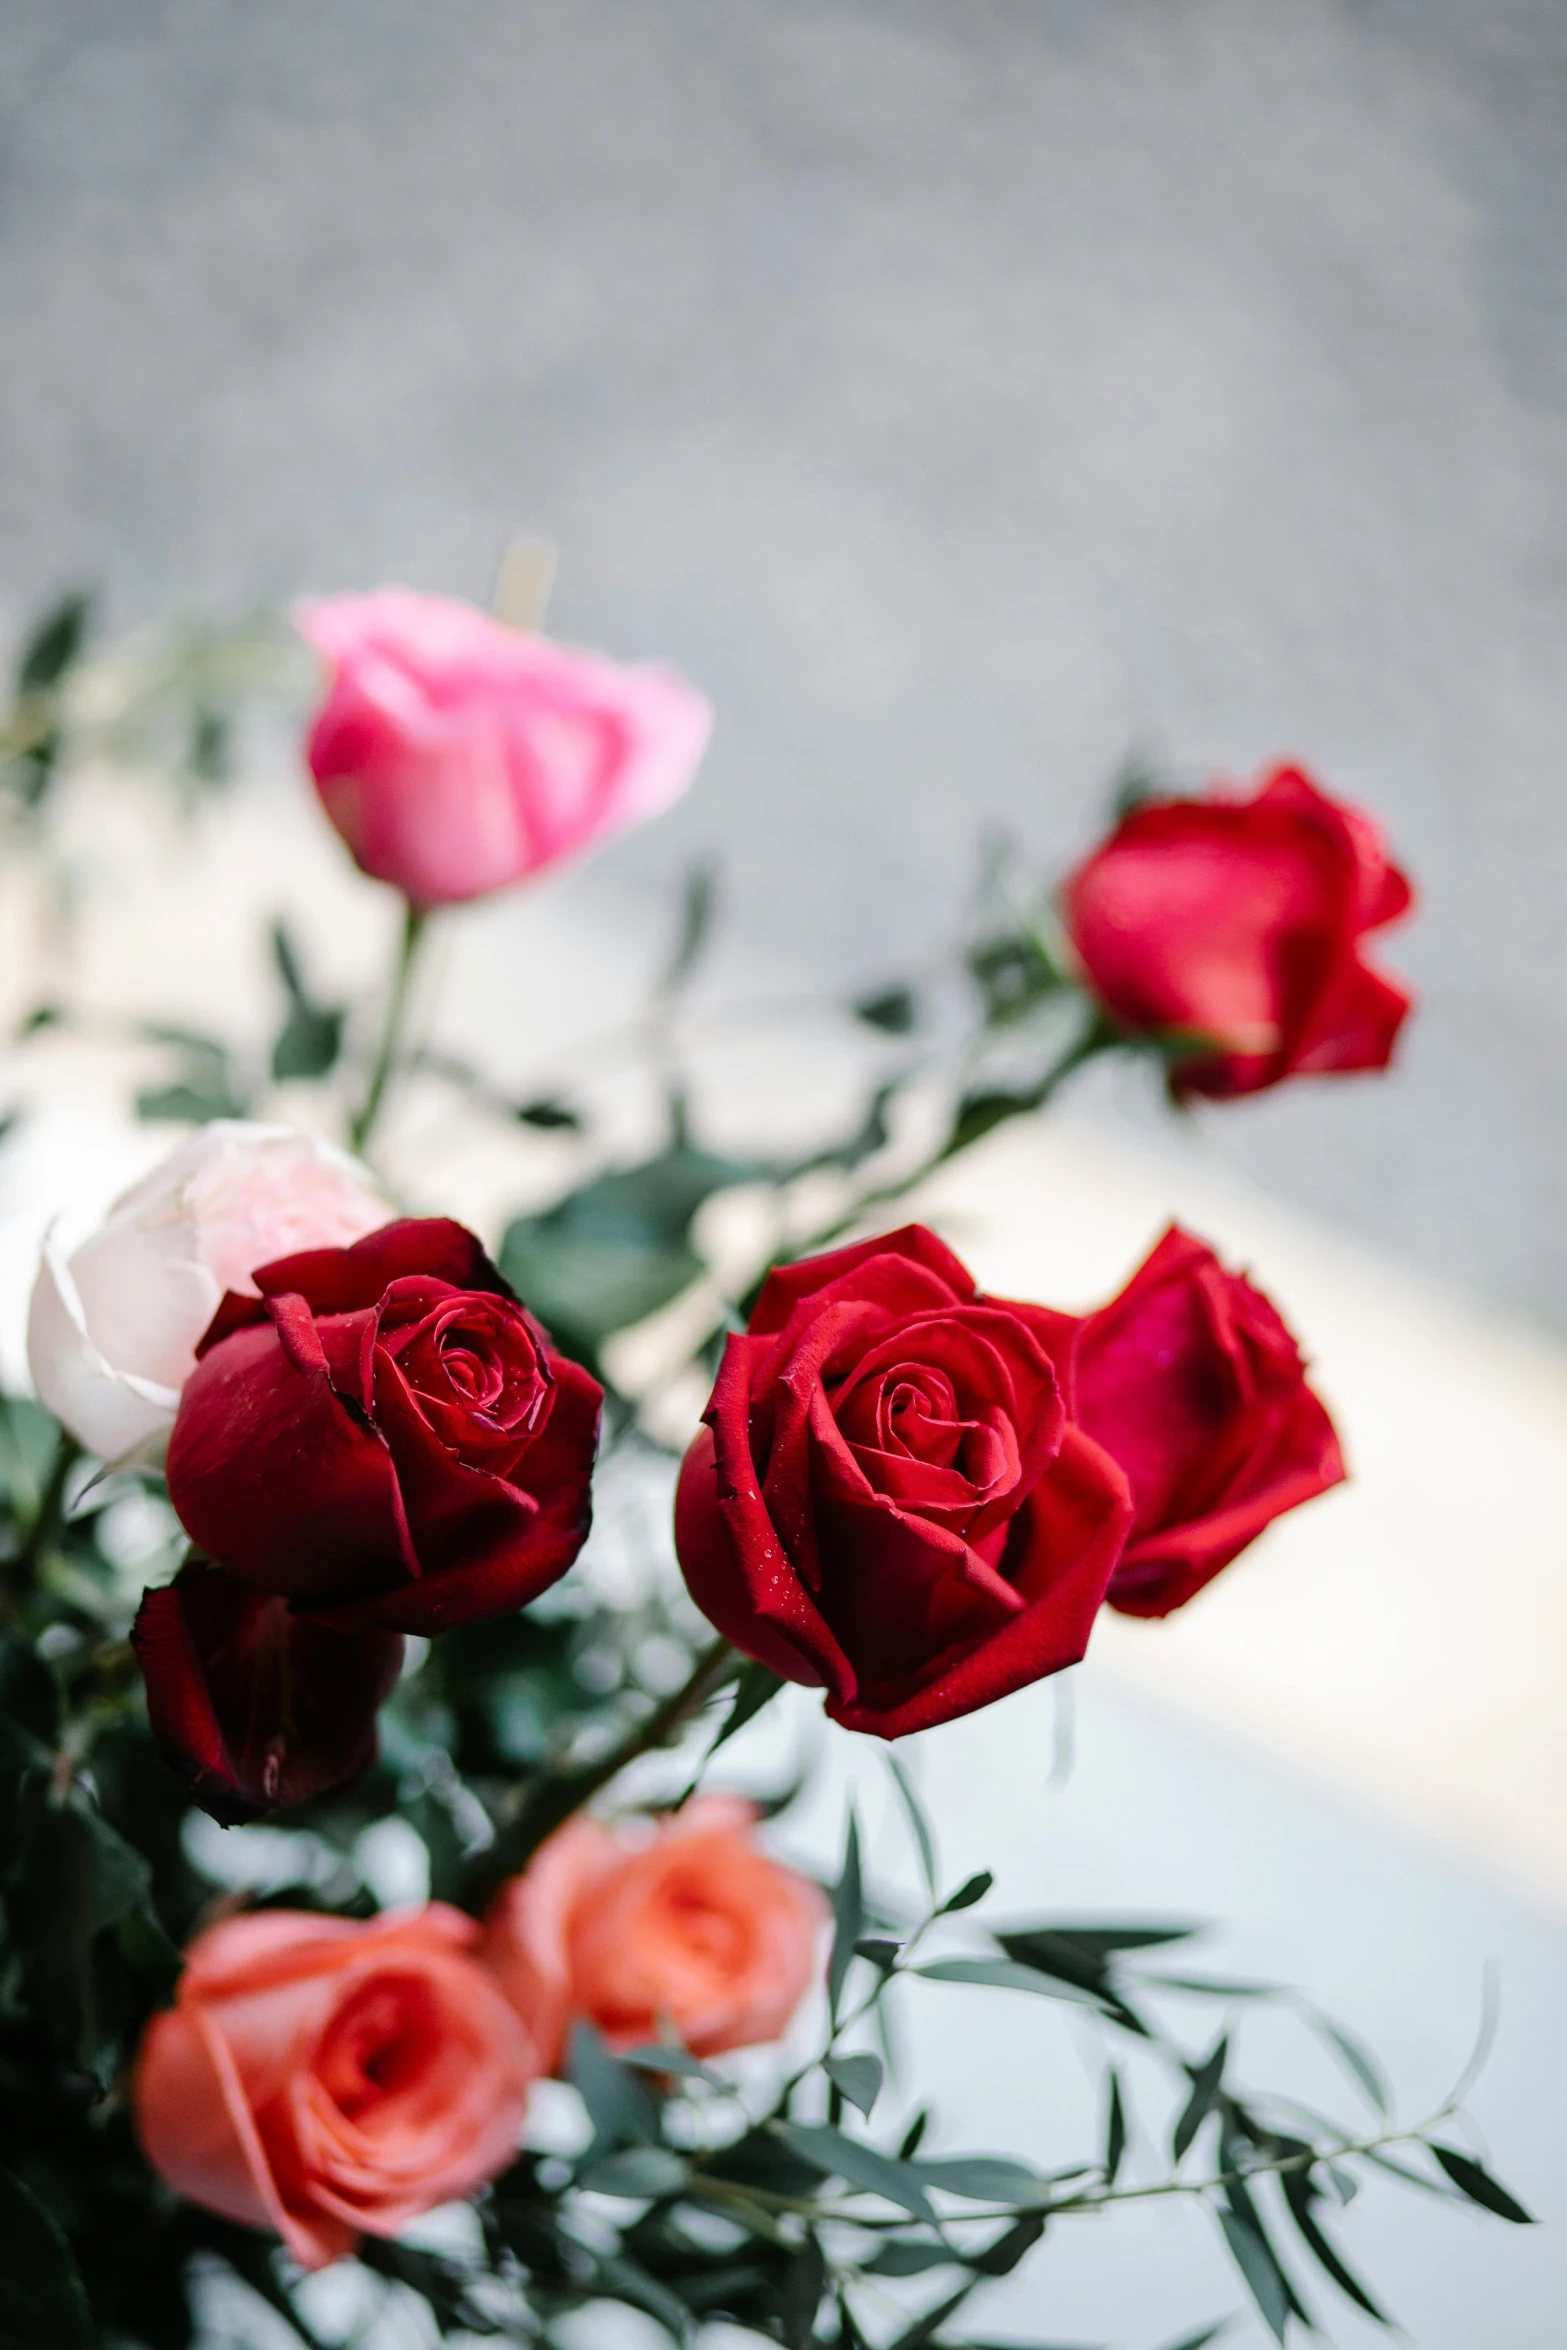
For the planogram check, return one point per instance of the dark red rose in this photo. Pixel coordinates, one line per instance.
(1190, 1380)
(256, 1708)
(889, 1499)
(385, 1437)
(1245, 921)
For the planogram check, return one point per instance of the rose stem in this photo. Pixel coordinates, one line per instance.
(555, 1799)
(415, 919)
(48, 1517)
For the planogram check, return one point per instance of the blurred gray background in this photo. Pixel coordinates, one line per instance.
(965, 391)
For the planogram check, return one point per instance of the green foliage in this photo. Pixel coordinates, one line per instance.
(41, 2295)
(311, 1037)
(207, 1086)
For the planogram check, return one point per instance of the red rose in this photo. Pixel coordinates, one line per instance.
(1244, 921)
(1190, 1380)
(890, 1500)
(383, 1436)
(255, 1708)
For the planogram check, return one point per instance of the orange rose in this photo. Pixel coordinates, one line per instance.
(687, 1924)
(320, 2076)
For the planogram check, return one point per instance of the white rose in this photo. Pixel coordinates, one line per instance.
(111, 1334)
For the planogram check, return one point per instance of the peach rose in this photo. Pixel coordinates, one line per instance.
(320, 2077)
(687, 1924)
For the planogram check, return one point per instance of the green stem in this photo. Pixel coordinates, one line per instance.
(21, 1572)
(554, 1800)
(415, 921)
(1096, 1038)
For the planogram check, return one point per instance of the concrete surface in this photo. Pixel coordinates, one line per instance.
(964, 390)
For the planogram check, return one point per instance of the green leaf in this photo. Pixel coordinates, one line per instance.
(1115, 2130)
(307, 1044)
(619, 2107)
(881, 1953)
(697, 906)
(72, 1879)
(1014, 974)
(1010, 2248)
(42, 2303)
(1299, 2194)
(1204, 2335)
(900, 2258)
(1002, 1974)
(311, 1037)
(804, 2283)
(848, 1907)
(857, 2078)
(967, 1894)
(1137, 786)
(1253, 2256)
(755, 1686)
(919, 1823)
(914, 2135)
(866, 2167)
(630, 2282)
(1471, 2180)
(894, 1010)
(761, 2159)
(636, 2171)
(674, 2060)
(617, 1248)
(55, 643)
(915, 2337)
(1357, 2059)
(549, 1115)
(29, 1701)
(1207, 2087)
(984, 2178)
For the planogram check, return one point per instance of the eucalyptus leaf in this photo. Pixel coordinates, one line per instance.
(55, 643)
(968, 1894)
(1472, 2180)
(1115, 2130)
(1003, 1974)
(848, 1906)
(1207, 2087)
(1299, 2195)
(619, 2107)
(894, 1010)
(655, 2059)
(857, 2078)
(984, 2178)
(901, 2258)
(635, 2171)
(42, 2303)
(866, 2167)
(919, 1823)
(1253, 2256)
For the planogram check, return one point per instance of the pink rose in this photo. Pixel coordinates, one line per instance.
(455, 755)
(322, 2077)
(689, 1924)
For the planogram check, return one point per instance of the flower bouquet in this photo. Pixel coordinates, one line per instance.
(522, 2015)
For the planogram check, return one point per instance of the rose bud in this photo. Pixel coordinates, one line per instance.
(1191, 1381)
(889, 1499)
(639, 1928)
(1243, 923)
(253, 1708)
(112, 1332)
(323, 2077)
(384, 1436)
(455, 755)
